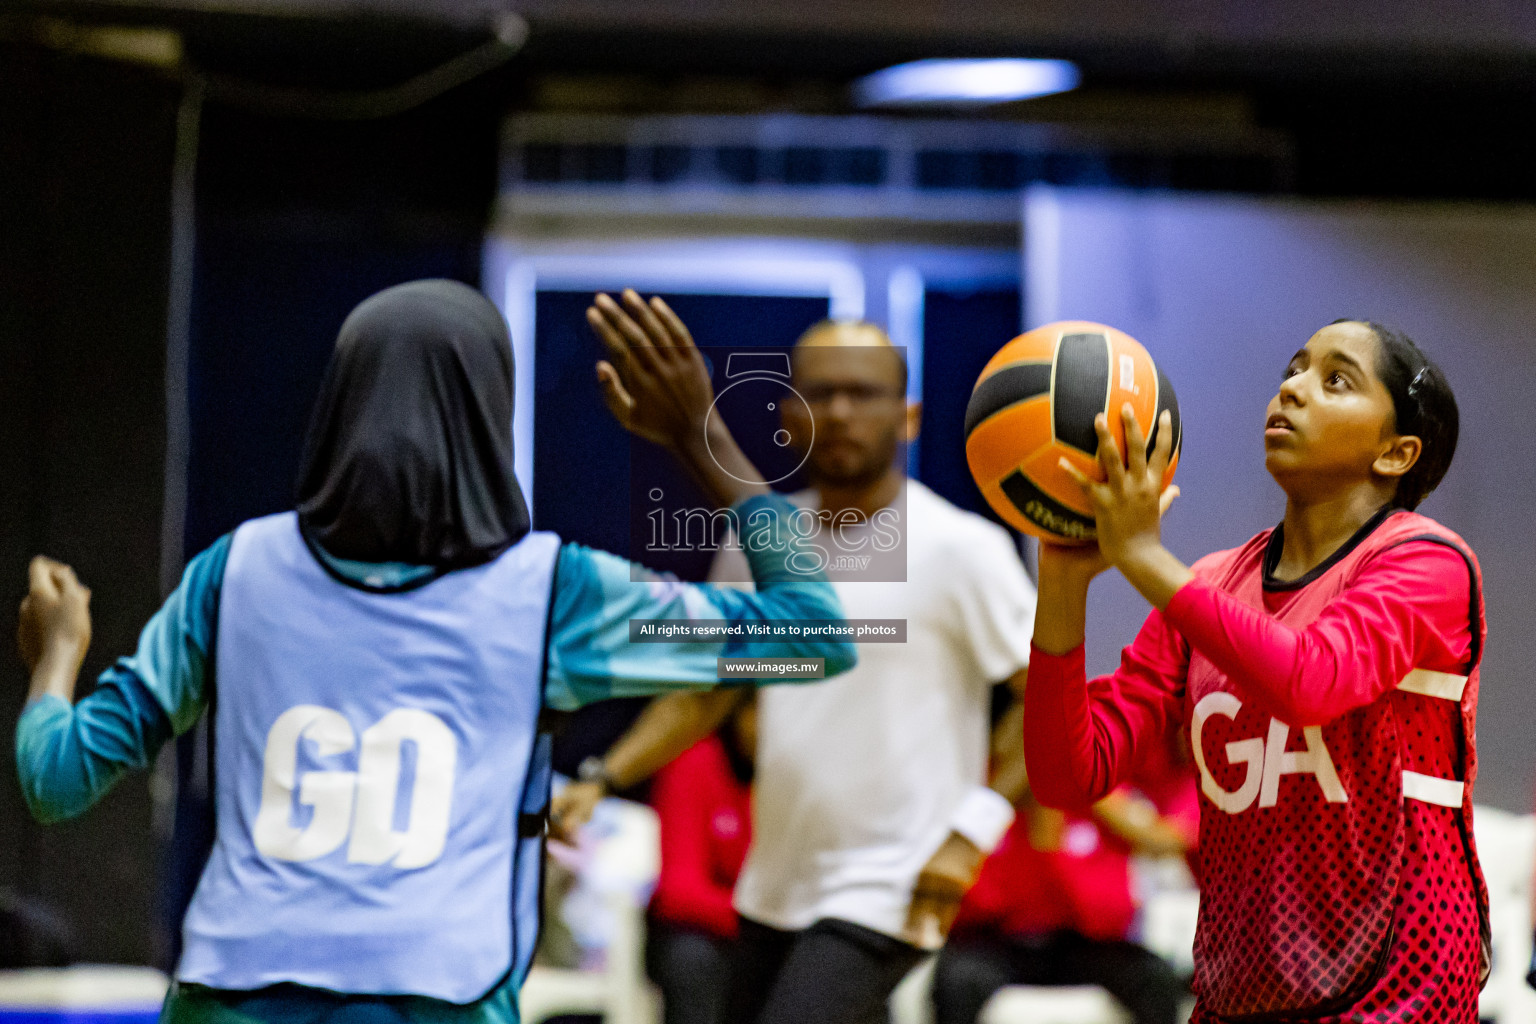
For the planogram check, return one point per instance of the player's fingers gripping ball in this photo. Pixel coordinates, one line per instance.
(1034, 405)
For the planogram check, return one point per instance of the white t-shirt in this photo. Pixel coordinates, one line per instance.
(858, 776)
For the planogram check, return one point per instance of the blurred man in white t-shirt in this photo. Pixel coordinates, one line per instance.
(871, 811)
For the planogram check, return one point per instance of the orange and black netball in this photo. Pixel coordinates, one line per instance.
(1034, 405)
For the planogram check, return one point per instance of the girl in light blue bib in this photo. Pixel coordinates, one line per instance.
(375, 663)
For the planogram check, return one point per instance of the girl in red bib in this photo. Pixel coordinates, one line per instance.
(1326, 672)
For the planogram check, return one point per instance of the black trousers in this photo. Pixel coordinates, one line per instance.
(692, 969)
(971, 968)
(834, 972)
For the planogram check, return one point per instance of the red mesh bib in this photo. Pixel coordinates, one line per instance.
(1326, 895)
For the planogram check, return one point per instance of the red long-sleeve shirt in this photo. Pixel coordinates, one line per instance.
(1334, 859)
(1411, 609)
(705, 814)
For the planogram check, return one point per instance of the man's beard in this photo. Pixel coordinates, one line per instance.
(866, 473)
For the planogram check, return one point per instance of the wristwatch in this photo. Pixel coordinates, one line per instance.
(592, 769)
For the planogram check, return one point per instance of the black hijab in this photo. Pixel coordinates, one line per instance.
(409, 452)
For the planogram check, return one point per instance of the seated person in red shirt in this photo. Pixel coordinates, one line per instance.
(704, 802)
(1053, 904)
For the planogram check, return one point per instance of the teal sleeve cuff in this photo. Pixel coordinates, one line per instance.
(589, 654)
(67, 757)
(38, 718)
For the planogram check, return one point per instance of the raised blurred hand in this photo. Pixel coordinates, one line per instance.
(656, 384)
(654, 381)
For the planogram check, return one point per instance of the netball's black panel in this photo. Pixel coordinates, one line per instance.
(1045, 511)
(1008, 386)
(1082, 382)
(1166, 399)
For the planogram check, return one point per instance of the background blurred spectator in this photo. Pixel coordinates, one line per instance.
(1054, 904)
(704, 802)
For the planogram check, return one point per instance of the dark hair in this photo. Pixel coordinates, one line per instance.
(1423, 405)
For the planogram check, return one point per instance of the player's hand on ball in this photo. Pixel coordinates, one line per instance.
(1128, 505)
(654, 381)
(941, 885)
(55, 616)
(1080, 561)
(572, 808)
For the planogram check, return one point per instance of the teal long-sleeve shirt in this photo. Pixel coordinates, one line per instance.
(68, 757)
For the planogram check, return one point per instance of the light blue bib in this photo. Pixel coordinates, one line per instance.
(374, 754)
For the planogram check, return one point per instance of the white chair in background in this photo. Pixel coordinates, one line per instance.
(1168, 921)
(1506, 846)
(1077, 1004)
(1170, 909)
(912, 1003)
(617, 878)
